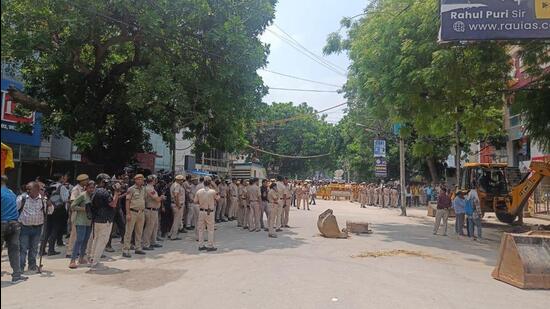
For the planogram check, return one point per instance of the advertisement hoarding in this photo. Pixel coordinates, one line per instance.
(472, 20)
(380, 168)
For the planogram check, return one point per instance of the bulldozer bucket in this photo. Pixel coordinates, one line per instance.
(524, 260)
(328, 227)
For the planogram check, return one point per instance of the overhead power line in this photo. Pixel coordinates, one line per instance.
(288, 156)
(301, 78)
(320, 58)
(297, 48)
(297, 117)
(302, 90)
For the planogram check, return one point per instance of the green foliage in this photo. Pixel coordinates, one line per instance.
(109, 69)
(401, 74)
(304, 134)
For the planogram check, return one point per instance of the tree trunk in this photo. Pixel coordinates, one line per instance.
(433, 170)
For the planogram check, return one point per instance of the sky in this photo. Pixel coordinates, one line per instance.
(309, 22)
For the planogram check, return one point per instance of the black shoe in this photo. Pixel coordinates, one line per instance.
(245, 228)
(50, 253)
(67, 256)
(267, 230)
(140, 252)
(217, 221)
(192, 227)
(224, 220)
(177, 238)
(148, 249)
(126, 255)
(287, 226)
(109, 249)
(278, 230)
(189, 228)
(211, 249)
(103, 256)
(19, 278)
(202, 248)
(157, 246)
(61, 244)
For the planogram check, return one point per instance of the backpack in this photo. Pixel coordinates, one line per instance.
(469, 207)
(55, 197)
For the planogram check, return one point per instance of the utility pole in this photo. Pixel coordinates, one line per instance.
(457, 158)
(402, 175)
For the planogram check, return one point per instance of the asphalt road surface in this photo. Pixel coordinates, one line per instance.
(300, 269)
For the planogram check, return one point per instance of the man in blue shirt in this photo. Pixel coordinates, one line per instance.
(11, 229)
(459, 204)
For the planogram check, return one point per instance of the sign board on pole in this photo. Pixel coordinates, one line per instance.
(380, 168)
(472, 20)
(379, 148)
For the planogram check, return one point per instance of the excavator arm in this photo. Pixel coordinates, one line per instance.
(521, 192)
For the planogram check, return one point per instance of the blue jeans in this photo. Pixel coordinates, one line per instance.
(82, 236)
(29, 239)
(474, 222)
(10, 235)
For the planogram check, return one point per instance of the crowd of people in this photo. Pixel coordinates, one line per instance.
(139, 210)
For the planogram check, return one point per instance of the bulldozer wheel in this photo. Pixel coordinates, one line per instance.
(505, 217)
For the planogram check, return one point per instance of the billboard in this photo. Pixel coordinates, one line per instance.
(380, 168)
(471, 20)
(379, 148)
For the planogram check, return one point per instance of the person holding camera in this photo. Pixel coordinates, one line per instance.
(83, 225)
(135, 216)
(103, 212)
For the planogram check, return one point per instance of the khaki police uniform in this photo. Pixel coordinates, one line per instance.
(152, 206)
(222, 202)
(255, 214)
(233, 200)
(274, 210)
(206, 199)
(305, 196)
(136, 196)
(177, 208)
(286, 210)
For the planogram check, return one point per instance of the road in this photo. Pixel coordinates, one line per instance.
(300, 269)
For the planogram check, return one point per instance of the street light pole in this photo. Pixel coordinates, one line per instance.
(402, 175)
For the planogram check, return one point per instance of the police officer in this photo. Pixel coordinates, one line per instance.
(222, 202)
(135, 216)
(255, 215)
(152, 205)
(206, 198)
(233, 199)
(177, 194)
(286, 202)
(274, 213)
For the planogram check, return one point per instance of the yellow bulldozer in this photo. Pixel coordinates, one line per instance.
(500, 188)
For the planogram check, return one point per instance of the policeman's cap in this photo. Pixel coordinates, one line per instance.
(82, 177)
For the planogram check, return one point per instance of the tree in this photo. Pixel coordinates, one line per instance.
(400, 73)
(533, 102)
(102, 71)
(296, 130)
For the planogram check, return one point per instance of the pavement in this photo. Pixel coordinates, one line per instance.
(300, 269)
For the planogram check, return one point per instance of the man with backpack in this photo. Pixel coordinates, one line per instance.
(33, 209)
(57, 220)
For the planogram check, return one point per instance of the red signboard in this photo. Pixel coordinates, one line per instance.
(8, 111)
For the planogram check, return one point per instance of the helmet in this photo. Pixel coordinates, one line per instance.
(103, 178)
